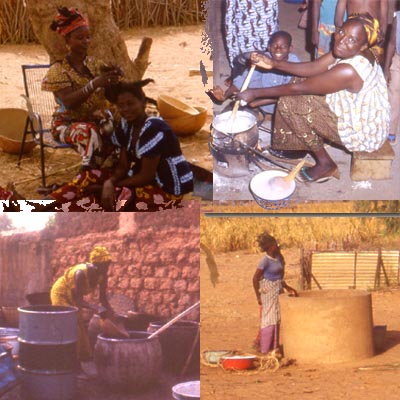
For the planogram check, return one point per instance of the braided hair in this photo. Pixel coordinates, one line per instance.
(135, 88)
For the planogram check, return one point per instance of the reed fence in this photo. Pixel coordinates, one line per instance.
(15, 26)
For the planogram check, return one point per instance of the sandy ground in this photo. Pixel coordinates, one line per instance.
(229, 321)
(174, 52)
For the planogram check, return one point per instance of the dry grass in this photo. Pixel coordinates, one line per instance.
(15, 26)
(223, 234)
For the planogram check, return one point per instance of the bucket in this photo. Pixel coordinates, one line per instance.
(176, 342)
(128, 364)
(379, 337)
(9, 337)
(48, 357)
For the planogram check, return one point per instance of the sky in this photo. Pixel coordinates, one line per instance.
(29, 221)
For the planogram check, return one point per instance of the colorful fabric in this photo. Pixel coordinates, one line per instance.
(264, 78)
(156, 138)
(370, 25)
(325, 38)
(79, 126)
(146, 198)
(62, 294)
(269, 338)
(5, 194)
(99, 254)
(68, 20)
(270, 291)
(249, 25)
(363, 117)
(303, 122)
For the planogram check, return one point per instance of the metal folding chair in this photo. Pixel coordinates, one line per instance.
(41, 106)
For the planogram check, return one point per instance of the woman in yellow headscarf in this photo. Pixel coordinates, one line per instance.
(79, 281)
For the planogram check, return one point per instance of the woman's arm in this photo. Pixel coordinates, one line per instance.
(383, 20)
(391, 48)
(256, 283)
(291, 291)
(315, 15)
(339, 13)
(108, 191)
(146, 174)
(78, 292)
(303, 69)
(74, 98)
(340, 77)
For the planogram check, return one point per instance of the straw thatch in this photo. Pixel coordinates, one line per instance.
(15, 26)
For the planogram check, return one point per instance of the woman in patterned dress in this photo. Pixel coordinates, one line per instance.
(79, 281)
(343, 99)
(78, 83)
(151, 173)
(249, 25)
(268, 283)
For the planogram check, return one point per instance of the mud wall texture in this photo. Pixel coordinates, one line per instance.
(156, 257)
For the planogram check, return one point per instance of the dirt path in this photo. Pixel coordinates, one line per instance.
(229, 321)
(174, 52)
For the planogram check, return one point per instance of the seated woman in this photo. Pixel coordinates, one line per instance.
(151, 174)
(344, 99)
(78, 83)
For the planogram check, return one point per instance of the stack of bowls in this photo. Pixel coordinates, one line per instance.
(184, 119)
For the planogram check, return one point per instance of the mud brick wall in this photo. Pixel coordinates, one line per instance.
(155, 256)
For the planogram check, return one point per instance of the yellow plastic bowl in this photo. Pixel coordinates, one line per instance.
(169, 107)
(190, 124)
(12, 129)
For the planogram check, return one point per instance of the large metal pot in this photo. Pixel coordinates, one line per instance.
(48, 363)
(227, 134)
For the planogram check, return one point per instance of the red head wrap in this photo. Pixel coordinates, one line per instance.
(68, 20)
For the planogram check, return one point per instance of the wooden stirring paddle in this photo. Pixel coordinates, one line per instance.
(281, 183)
(237, 102)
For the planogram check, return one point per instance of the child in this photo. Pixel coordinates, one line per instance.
(392, 75)
(322, 25)
(279, 48)
(377, 9)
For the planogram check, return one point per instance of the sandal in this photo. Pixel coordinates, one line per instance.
(392, 139)
(307, 178)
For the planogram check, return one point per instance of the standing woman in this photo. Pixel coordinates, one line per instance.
(79, 281)
(268, 283)
(249, 25)
(77, 82)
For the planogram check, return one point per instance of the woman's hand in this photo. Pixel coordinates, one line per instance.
(247, 96)
(293, 292)
(218, 93)
(111, 77)
(261, 60)
(259, 300)
(108, 195)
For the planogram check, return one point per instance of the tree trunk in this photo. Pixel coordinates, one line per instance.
(106, 44)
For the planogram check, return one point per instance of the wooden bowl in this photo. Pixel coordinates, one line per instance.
(189, 124)
(169, 107)
(237, 362)
(12, 129)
